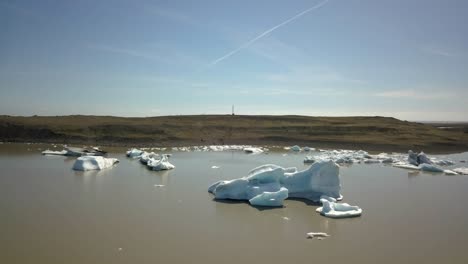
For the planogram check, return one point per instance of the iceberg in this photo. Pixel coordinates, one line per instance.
(160, 164)
(93, 163)
(417, 159)
(330, 208)
(296, 148)
(76, 152)
(269, 185)
(250, 150)
(145, 157)
(134, 153)
(51, 152)
(317, 234)
(461, 170)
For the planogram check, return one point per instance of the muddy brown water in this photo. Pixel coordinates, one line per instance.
(52, 214)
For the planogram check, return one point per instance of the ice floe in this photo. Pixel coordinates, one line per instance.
(251, 150)
(461, 170)
(76, 152)
(330, 208)
(295, 148)
(160, 164)
(309, 160)
(269, 185)
(93, 163)
(134, 153)
(317, 235)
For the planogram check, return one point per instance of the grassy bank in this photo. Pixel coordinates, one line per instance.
(370, 133)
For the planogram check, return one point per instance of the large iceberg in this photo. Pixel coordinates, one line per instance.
(93, 163)
(269, 185)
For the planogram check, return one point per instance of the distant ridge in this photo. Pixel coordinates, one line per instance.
(370, 133)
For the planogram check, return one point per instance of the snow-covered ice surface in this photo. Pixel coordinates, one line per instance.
(462, 170)
(269, 185)
(93, 163)
(160, 164)
(51, 152)
(330, 208)
(134, 153)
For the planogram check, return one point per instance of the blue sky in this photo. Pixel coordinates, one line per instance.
(406, 59)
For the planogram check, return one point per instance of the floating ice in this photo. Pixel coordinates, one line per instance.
(296, 148)
(416, 159)
(158, 185)
(93, 163)
(214, 167)
(51, 152)
(134, 153)
(76, 152)
(274, 182)
(317, 234)
(330, 208)
(145, 157)
(252, 150)
(461, 170)
(450, 172)
(160, 164)
(430, 168)
(309, 160)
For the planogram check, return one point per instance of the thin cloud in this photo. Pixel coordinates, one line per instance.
(412, 94)
(439, 52)
(250, 42)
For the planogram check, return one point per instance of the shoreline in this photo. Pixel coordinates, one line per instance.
(374, 149)
(370, 133)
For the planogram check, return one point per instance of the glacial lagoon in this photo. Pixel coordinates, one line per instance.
(130, 214)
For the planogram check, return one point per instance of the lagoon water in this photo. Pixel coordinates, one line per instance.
(52, 214)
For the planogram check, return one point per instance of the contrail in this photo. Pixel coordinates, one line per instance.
(250, 42)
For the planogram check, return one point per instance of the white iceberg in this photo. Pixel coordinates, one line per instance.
(145, 157)
(251, 150)
(330, 208)
(93, 163)
(134, 153)
(461, 170)
(317, 234)
(160, 164)
(278, 183)
(51, 152)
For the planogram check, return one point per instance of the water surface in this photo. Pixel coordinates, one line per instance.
(52, 214)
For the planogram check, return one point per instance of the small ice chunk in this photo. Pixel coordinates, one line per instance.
(309, 160)
(214, 167)
(296, 148)
(253, 150)
(286, 218)
(134, 153)
(444, 162)
(51, 152)
(93, 163)
(337, 210)
(317, 235)
(158, 185)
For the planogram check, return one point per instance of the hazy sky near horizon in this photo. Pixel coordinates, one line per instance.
(402, 58)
